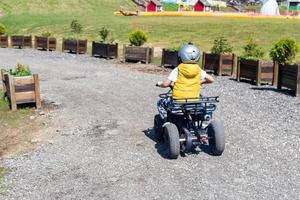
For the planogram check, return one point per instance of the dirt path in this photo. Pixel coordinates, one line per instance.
(105, 151)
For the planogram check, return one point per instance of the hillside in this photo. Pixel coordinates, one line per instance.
(37, 16)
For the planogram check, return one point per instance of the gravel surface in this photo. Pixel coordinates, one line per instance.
(104, 149)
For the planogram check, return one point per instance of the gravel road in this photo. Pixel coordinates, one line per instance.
(104, 149)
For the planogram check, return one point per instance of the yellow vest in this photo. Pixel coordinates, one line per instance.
(188, 83)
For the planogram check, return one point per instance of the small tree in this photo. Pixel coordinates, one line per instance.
(76, 27)
(137, 38)
(221, 46)
(104, 32)
(2, 29)
(284, 51)
(252, 51)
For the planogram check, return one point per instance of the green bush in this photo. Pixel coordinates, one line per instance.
(284, 51)
(2, 29)
(76, 27)
(21, 70)
(221, 46)
(252, 51)
(173, 49)
(46, 34)
(137, 38)
(104, 32)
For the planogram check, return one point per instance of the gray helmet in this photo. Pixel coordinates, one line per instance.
(189, 53)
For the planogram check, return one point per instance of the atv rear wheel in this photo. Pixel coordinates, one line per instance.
(171, 135)
(216, 137)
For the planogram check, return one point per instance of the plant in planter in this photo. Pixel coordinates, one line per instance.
(103, 48)
(251, 67)
(45, 42)
(170, 57)
(3, 38)
(22, 87)
(75, 45)
(135, 52)
(283, 53)
(221, 60)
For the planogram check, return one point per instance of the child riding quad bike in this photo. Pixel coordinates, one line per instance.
(185, 120)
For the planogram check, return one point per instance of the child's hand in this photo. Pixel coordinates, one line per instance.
(158, 84)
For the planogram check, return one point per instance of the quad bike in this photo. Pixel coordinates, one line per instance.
(186, 125)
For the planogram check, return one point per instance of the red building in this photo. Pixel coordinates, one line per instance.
(202, 6)
(153, 6)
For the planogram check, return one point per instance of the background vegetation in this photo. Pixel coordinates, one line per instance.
(54, 16)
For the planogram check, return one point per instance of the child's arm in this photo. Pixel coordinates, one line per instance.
(207, 79)
(164, 84)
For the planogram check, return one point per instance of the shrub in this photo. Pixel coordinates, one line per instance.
(46, 34)
(221, 46)
(2, 29)
(252, 51)
(104, 32)
(137, 38)
(21, 70)
(173, 49)
(76, 27)
(284, 51)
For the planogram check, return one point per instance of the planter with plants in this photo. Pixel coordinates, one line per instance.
(72, 44)
(22, 87)
(45, 42)
(137, 52)
(284, 52)
(104, 49)
(21, 41)
(221, 60)
(169, 57)
(251, 66)
(3, 38)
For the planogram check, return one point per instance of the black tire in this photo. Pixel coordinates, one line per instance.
(158, 129)
(171, 135)
(216, 136)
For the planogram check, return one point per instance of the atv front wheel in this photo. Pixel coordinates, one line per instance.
(216, 137)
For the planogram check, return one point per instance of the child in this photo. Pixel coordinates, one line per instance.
(186, 79)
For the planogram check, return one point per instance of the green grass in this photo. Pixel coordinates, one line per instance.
(3, 172)
(37, 16)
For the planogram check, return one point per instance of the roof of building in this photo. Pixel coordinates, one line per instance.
(204, 2)
(158, 3)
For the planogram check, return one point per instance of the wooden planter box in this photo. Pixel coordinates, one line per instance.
(21, 41)
(142, 54)
(289, 77)
(105, 50)
(76, 46)
(169, 58)
(45, 43)
(3, 41)
(3, 82)
(220, 64)
(256, 70)
(22, 90)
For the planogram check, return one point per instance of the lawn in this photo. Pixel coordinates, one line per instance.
(37, 16)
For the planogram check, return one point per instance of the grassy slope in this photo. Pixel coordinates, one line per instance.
(36, 16)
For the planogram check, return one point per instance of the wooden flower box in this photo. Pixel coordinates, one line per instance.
(139, 54)
(105, 50)
(3, 82)
(3, 41)
(76, 46)
(220, 64)
(22, 90)
(289, 77)
(257, 71)
(21, 41)
(169, 58)
(45, 43)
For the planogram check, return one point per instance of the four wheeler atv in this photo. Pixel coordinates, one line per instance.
(186, 125)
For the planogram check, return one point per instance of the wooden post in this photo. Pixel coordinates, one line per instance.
(77, 47)
(163, 57)
(203, 61)
(3, 83)
(258, 73)
(147, 54)
(13, 102)
(37, 91)
(124, 52)
(220, 67)
(238, 69)
(63, 44)
(234, 63)
(275, 73)
(117, 49)
(297, 90)
(279, 80)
